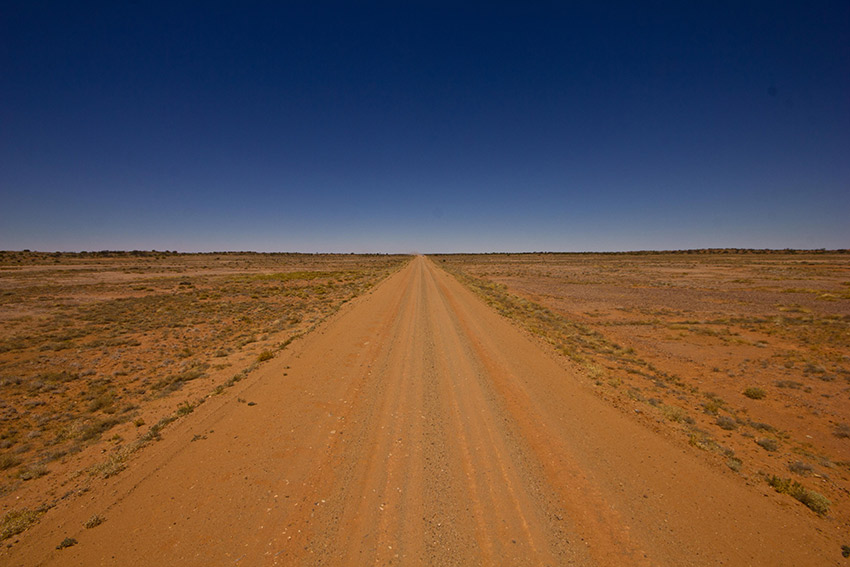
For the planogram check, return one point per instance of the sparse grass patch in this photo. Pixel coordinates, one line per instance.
(8, 461)
(265, 355)
(816, 501)
(16, 521)
(290, 276)
(94, 522)
(673, 413)
(32, 472)
(727, 423)
(800, 468)
(103, 401)
(97, 428)
(762, 426)
(702, 440)
(713, 404)
(185, 409)
(175, 381)
(768, 444)
(60, 377)
(755, 393)
(113, 464)
(117, 461)
(842, 431)
(153, 433)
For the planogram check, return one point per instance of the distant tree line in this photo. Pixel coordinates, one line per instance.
(88, 254)
(666, 252)
(8, 254)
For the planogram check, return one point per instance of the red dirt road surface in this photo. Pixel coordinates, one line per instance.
(418, 427)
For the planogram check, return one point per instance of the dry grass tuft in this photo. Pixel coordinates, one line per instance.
(265, 355)
(67, 542)
(755, 393)
(94, 522)
(17, 521)
(816, 501)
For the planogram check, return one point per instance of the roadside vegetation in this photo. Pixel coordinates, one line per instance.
(92, 341)
(746, 354)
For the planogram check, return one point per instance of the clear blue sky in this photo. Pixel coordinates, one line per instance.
(420, 126)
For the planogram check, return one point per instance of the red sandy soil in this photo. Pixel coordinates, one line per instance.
(418, 427)
(678, 339)
(96, 348)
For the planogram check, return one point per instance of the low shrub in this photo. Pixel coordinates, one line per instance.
(801, 468)
(755, 393)
(67, 542)
(815, 501)
(94, 521)
(265, 355)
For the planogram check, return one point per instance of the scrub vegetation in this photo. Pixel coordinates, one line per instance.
(94, 345)
(745, 353)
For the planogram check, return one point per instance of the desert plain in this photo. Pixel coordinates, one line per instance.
(518, 409)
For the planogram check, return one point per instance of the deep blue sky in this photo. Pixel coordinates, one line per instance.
(514, 126)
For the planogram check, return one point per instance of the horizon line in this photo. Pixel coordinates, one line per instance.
(152, 252)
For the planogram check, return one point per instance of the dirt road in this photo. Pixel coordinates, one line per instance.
(418, 427)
